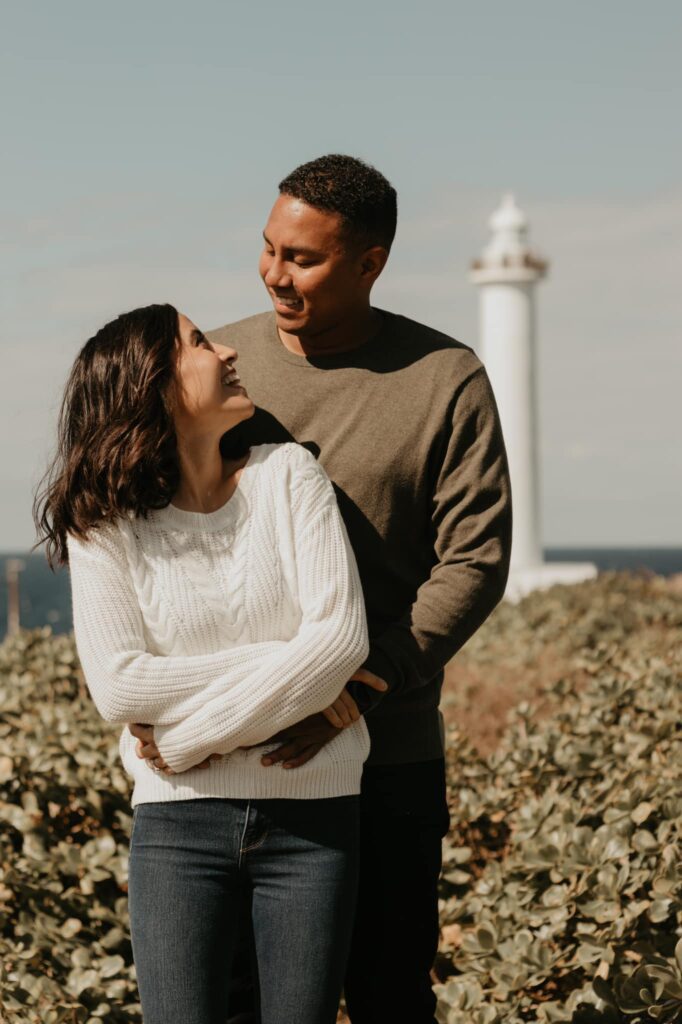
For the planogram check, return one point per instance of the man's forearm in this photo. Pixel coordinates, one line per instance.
(411, 652)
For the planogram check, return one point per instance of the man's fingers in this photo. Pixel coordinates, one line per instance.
(303, 756)
(284, 753)
(274, 756)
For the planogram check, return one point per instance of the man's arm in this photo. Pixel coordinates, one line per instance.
(472, 518)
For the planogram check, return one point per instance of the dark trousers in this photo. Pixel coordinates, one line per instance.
(404, 817)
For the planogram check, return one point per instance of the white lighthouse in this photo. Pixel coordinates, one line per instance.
(506, 274)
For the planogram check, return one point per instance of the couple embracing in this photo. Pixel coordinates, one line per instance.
(272, 560)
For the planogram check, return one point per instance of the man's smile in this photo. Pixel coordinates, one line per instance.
(286, 302)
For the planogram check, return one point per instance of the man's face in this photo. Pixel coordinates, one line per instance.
(314, 279)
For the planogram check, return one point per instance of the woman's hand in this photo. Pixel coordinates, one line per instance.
(146, 749)
(301, 742)
(344, 711)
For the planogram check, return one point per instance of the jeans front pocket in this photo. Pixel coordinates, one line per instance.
(132, 827)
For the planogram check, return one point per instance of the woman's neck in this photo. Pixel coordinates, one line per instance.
(206, 483)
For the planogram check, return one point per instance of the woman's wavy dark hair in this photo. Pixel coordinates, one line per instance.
(116, 441)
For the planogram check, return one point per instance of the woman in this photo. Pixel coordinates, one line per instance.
(215, 603)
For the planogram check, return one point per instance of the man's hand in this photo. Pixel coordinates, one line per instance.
(305, 739)
(146, 749)
(300, 742)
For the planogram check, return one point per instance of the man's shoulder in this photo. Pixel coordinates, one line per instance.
(420, 340)
(250, 327)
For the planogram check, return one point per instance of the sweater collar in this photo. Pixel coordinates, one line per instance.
(227, 516)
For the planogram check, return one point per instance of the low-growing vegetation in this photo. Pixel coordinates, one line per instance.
(563, 879)
(562, 885)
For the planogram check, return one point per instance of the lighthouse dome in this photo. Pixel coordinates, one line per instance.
(508, 216)
(507, 256)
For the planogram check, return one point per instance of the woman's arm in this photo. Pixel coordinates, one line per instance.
(126, 682)
(308, 673)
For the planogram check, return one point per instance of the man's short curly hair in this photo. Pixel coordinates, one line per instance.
(366, 201)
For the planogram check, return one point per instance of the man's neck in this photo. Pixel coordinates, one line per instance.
(343, 337)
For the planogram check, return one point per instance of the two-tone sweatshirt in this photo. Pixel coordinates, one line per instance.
(407, 428)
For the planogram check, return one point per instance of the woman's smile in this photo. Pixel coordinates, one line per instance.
(231, 378)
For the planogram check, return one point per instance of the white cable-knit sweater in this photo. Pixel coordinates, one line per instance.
(222, 628)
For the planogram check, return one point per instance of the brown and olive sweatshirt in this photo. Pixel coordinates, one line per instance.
(407, 428)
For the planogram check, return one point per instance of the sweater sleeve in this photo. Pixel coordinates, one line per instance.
(471, 515)
(311, 670)
(127, 682)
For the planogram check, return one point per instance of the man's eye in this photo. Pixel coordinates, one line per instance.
(304, 263)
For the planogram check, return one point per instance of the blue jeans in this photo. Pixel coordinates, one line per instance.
(190, 863)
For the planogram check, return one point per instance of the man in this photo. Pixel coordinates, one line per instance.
(404, 422)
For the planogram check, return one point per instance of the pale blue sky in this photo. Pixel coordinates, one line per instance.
(142, 144)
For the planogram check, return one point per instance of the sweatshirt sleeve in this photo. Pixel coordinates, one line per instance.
(472, 519)
(310, 671)
(128, 683)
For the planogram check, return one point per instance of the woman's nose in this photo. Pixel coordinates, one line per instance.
(229, 355)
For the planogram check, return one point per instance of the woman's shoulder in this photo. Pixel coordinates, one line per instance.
(295, 468)
(288, 453)
(104, 540)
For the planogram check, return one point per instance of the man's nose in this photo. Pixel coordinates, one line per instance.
(276, 274)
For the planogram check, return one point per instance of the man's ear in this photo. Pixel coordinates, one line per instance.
(372, 262)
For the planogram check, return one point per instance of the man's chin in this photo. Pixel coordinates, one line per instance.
(295, 325)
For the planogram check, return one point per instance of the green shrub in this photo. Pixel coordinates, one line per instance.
(65, 818)
(564, 864)
(562, 885)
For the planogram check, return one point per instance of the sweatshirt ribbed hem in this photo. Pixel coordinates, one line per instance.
(224, 780)
(336, 770)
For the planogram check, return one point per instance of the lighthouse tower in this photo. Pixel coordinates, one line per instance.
(506, 275)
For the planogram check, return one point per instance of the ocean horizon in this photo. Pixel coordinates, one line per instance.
(45, 597)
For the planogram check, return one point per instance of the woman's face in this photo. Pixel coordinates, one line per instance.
(209, 397)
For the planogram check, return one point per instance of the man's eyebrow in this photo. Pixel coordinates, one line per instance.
(306, 252)
(296, 248)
